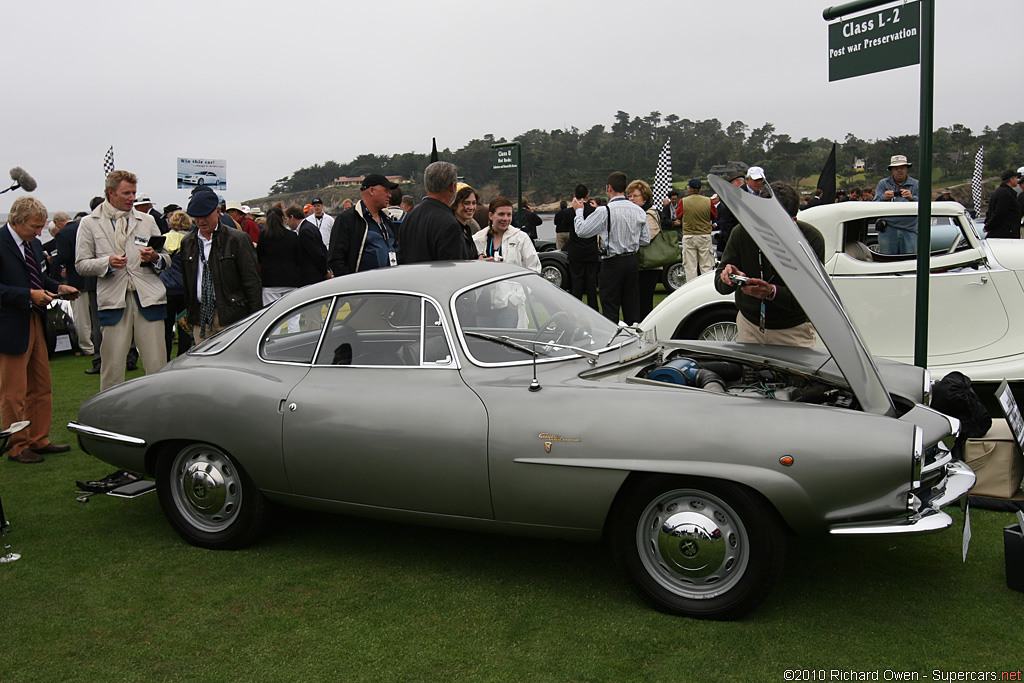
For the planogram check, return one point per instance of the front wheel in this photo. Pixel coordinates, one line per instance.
(718, 324)
(555, 273)
(673, 277)
(698, 548)
(209, 499)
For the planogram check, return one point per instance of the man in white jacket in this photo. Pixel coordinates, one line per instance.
(114, 246)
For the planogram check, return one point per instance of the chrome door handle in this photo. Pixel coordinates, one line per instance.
(984, 279)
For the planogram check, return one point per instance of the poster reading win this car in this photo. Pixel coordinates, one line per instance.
(201, 172)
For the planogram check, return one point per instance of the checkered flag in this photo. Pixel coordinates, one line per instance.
(108, 161)
(979, 161)
(662, 176)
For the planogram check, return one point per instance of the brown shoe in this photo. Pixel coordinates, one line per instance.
(50, 449)
(26, 456)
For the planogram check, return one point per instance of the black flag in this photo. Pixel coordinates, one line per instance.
(433, 152)
(827, 179)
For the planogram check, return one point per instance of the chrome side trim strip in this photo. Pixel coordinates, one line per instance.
(104, 435)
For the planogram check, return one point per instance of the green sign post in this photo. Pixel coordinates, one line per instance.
(885, 40)
(507, 155)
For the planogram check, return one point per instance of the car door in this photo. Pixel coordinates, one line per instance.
(966, 313)
(383, 417)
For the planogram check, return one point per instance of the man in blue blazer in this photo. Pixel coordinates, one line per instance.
(25, 292)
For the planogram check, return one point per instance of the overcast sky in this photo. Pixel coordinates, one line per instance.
(275, 86)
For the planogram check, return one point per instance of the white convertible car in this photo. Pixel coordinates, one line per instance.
(976, 316)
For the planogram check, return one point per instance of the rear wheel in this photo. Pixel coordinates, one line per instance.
(210, 501)
(698, 548)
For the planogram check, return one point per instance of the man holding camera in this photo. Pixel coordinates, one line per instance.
(897, 234)
(768, 312)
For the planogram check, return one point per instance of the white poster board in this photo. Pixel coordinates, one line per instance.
(212, 173)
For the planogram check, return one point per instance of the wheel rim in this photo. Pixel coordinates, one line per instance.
(206, 488)
(724, 331)
(676, 276)
(552, 274)
(693, 544)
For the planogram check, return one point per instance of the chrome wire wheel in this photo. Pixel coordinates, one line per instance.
(693, 544)
(206, 488)
(552, 274)
(675, 277)
(721, 331)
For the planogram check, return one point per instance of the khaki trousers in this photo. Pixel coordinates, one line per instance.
(750, 333)
(25, 390)
(83, 323)
(697, 251)
(117, 339)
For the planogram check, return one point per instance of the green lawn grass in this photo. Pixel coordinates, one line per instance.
(105, 591)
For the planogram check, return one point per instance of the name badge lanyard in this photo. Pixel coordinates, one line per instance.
(760, 266)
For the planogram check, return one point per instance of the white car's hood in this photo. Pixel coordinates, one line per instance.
(785, 246)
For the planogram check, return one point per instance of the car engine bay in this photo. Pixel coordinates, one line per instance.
(746, 378)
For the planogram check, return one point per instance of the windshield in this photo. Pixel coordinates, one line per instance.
(531, 311)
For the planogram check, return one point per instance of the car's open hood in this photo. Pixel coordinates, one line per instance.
(785, 246)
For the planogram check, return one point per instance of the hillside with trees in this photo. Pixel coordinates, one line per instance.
(554, 161)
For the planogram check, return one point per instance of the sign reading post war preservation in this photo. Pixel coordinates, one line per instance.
(879, 41)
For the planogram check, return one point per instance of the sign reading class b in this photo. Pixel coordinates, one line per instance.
(878, 41)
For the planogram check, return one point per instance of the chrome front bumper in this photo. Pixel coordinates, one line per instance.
(925, 513)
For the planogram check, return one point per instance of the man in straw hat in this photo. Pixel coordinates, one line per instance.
(897, 234)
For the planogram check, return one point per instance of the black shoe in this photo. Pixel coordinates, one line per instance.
(131, 367)
(92, 371)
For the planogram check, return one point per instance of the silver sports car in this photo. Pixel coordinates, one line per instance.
(477, 395)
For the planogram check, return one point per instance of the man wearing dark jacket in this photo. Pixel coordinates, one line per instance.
(221, 275)
(312, 252)
(431, 232)
(363, 237)
(768, 311)
(1003, 217)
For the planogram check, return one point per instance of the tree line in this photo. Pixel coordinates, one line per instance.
(553, 162)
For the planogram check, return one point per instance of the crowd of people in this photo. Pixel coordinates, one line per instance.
(138, 277)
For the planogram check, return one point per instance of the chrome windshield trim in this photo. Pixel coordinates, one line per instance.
(104, 435)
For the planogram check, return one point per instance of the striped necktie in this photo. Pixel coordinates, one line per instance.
(33, 273)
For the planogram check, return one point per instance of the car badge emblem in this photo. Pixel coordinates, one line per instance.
(547, 446)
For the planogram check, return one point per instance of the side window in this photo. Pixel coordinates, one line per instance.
(294, 337)
(435, 344)
(377, 330)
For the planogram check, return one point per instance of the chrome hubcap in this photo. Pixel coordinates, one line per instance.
(205, 487)
(692, 543)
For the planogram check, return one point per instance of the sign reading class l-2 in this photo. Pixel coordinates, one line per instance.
(879, 41)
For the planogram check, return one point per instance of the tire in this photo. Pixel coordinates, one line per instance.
(555, 273)
(673, 277)
(209, 500)
(697, 547)
(718, 324)
(200, 182)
